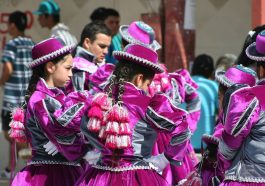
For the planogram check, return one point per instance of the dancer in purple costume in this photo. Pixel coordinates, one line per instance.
(89, 55)
(234, 75)
(141, 33)
(241, 147)
(180, 88)
(123, 124)
(52, 120)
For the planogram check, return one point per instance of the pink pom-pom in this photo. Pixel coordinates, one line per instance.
(112, 127)
(18, 135)
(95, 112)
(111, 142)
(118, 113)
(94, 125)
(123, 141)
(101, 100)
(16, 125)
(113, 114)
(18, 115)
(102, 133)
(125, 128)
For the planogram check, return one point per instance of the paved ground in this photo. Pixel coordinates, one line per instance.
(4, 158)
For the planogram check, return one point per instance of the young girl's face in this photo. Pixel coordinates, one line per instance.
(142, 83)
(63, 71)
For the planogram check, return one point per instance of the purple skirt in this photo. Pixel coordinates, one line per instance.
(48, 175)
(140, 177)
(234, 183)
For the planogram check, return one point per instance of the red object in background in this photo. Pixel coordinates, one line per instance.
(258, 13)
(3, 21)
(4, 25)
(179, 44)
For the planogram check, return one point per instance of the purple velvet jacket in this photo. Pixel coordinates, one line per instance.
(242, 145)
(148, 116)
(52, 116)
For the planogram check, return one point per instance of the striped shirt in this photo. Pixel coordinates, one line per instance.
(18, 52)
(62, 32)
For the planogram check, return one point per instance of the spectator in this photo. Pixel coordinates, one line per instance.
(225, 61)
(111, 18)
(49, 17)
(15, 74)
(202, 72)
(94, 43)
(90, 52)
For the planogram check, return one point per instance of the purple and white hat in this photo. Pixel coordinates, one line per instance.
(256, 50)
(236, 75)
(48, 50)
(139, 33)
(140, 54)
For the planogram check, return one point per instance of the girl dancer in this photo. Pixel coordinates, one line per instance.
(52, 120)
(234, 75)
(123, 125)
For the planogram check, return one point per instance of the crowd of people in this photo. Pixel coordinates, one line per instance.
(106, 111)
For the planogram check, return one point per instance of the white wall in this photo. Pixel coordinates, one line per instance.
(221, 26)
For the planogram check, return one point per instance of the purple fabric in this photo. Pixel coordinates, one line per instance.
(136, 32)
(181, 83)
(161, 83)
(136, 102)
(48, 175)
(238, 76)
(139, 177)
(172, 173)
(219, 127)
(185, 73)
(258, 91)
(37, 109)
(43, 50)
(223, 163)
(163, 106)
(140, 54)
(84, 65)
(189, 160)
(260, 40)
(193, 119)
(102, 74)
(238, 103)
(143, 52)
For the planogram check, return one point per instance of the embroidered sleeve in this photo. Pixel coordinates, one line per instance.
(68, 141)
(166, 117)
(241, 113)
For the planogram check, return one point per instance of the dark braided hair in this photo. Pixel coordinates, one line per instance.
(37, 73)
(126, 70)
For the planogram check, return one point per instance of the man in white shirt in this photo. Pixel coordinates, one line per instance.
(49, 17)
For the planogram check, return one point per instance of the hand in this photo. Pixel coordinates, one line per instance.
(92, 157)
(50, 148)
(159, 161)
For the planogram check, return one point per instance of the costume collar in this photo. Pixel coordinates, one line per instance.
(51, 91)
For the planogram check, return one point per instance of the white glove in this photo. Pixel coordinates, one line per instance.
(160, 162)
(50, 148)
(92, 157)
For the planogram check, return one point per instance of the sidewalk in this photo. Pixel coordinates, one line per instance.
(4, 158)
